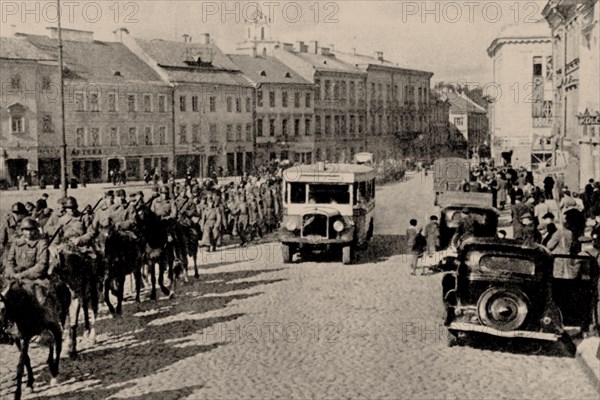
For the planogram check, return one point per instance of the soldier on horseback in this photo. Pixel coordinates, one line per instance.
(10, 228)
(124, 215)
(166, 209)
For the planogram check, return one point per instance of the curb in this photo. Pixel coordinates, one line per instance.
(586, 357)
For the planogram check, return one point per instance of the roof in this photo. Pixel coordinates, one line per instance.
(96, 61)
(504, 244)
(20, 49)
(461, 103)
(514, 33)
(333, 173)
(169, 53)
(328, 63)
(266, 70)
(364, 61)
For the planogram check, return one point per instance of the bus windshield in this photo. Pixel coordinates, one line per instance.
(328, 194)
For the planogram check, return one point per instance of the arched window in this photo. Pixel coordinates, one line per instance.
(264, 52)
(262, 33)
(263, 73)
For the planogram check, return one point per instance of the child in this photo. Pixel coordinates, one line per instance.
(413, 245)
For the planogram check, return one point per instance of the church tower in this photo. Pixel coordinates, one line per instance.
(257, 36)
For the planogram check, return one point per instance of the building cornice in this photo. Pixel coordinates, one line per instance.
(499, 42)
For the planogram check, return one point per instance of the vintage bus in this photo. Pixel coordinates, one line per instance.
(327, 206)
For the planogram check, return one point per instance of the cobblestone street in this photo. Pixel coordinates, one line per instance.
(252, 327)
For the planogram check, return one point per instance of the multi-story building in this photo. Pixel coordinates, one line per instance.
(212, 103)
(397, 106)
(28, 120)
(522, 113)
(444, 140)
(117, 110)
(284, 101)
(576, 61)
(468, 118)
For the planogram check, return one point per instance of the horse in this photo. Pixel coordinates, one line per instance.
(21, 306)
(189, 234)
(122, 256)
(79, 271)
(159, 249)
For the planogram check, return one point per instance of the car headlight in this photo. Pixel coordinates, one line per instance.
(338, 226)
(291, 225)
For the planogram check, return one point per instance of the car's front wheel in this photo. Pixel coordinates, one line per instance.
(287, 251)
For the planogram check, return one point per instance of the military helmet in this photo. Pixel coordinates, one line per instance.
(19, 208)
(71, 203)
(29, 206)
(29, 224)
(164, 189)
(121, 193)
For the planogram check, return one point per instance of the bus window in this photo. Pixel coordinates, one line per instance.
(297, 193)
(329, 194)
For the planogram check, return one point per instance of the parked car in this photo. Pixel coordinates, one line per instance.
(505, 288)
(486, 219)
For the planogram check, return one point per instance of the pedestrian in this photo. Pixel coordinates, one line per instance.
(432, 235)
(540, 209)
(413, 244)
(549, 187)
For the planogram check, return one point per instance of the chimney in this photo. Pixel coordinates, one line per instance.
(314, 47)
(299, 46)
(325, 51)
(73, 35)
(120, 33)
(379, 55)
(207, 38)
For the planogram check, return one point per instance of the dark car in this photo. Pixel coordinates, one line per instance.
(508, 289)
(486, 219)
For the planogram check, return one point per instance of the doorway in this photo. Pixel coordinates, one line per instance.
(16, 167)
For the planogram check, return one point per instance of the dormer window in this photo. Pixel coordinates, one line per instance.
(287, 75)
(17, 119)
(117, 73)
(199, 60)
(263, 73)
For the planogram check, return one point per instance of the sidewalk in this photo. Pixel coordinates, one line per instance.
(586, 355)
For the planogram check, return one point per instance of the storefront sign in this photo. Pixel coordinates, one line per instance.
(86, 152)
(48, 152)
(588, 118)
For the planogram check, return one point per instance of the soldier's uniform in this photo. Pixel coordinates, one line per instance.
(124, 216)
(211, 224)
(166, 210)
(242, 219)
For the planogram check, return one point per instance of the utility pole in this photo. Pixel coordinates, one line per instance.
(63, 154)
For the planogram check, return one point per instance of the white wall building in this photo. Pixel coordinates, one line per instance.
(521, 116)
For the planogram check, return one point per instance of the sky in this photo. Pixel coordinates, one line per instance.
(448, 38)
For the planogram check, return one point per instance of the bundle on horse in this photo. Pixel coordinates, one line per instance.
(158, 249)
(20, 305)
(122, 253)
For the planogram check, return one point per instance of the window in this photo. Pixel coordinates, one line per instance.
(318, 125)
(229, 104)
(271, 99)
(162, 135)
(327, 94)
(284, 126)
(259, 127)
(147, 103)
(361, 124)
(46, 82)
(248, 132)
(373, 95)
(79, 101)
(259, 98)
(113, 136)
(195, 103)
(112, 102)
(307, 126)
(212, 100)
(296, 127)
(548, 109)
(212, 133)
(47, 124)
(94, 102)
(336, 90)
(148, 136)
(15, 82)
(80, 137)
(318, 89)
(271, 127)
(343, 90)
(379, 91)
(336, 121)
(196, 133)
(297, 192)
(537, 66)
(162, 103)
(229, 133)
(182, 106)
(328, 194)
(307, 100)
(284, 99)
(132, 136)
(327, 124)
(131, 103)
(297, 99)
(248, 104)
(459, 121)
(352, 92)
(343, 125)
(352, 124)
(183, 134)
(124, 138)
(238, 133)
(95, 137)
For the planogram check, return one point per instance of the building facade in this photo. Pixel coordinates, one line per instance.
(213, 107)
(522, 113)
(576, 63)
(284, 122)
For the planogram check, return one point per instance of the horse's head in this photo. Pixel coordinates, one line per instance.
(104, 233)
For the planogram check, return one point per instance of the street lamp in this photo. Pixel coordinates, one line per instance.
(63, 155)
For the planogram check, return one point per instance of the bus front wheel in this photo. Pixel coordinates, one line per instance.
(287, 252)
